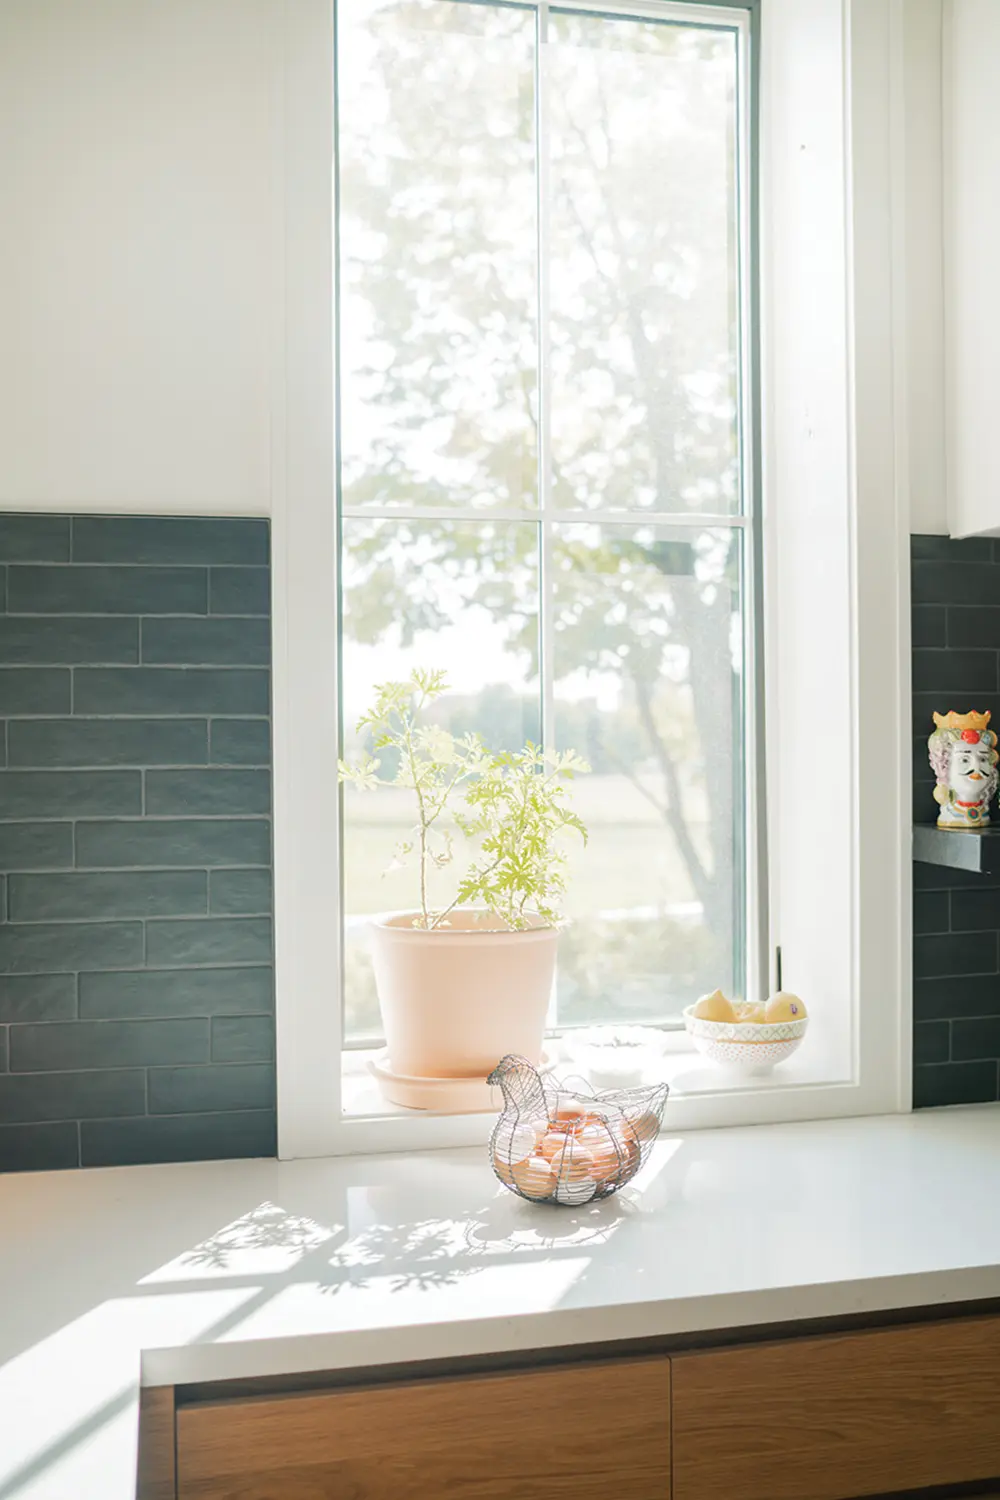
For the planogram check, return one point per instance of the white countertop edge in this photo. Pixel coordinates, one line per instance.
(561, 1327)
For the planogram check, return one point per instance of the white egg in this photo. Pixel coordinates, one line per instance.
(575, 1190)
(515, 1143)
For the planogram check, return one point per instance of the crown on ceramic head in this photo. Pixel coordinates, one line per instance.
(963, 721)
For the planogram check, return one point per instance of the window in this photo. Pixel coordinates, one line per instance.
(833, 493)
(546, 465)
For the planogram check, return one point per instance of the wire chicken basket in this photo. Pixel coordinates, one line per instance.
(553, 1144)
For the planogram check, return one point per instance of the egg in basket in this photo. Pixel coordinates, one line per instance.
(561, 1145)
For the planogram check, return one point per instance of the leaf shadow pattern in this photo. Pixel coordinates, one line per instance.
(266, 1227)
(428, 1254)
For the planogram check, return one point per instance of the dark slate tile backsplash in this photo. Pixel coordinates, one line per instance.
(136, 978)
(956, 917)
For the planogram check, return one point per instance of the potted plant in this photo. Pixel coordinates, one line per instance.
(463, 983)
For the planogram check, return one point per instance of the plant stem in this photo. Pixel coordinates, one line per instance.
(411, 757)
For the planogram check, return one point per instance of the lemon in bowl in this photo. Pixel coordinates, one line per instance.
(756, 1039)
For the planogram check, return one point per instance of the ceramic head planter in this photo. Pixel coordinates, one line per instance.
(964, 758)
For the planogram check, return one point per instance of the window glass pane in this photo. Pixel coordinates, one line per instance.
(648, 666)
(639, 130)
(437, 247)
(435, 594)
(614, 228)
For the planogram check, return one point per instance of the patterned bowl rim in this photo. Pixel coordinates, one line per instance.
(745, 1033)
(722, 1044)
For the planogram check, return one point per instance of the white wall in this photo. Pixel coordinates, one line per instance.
(140, 234)
(923, 295)
(138, 223)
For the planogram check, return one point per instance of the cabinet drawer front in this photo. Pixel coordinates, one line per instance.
(576, 1432)
(840, 1416)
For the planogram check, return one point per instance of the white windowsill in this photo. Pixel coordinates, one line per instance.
(688, 1074)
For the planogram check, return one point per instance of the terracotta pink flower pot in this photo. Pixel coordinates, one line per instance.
(457, 999)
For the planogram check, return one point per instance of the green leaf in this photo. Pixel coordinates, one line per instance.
(513, 804)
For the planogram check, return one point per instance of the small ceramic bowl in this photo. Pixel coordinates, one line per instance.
(615, 1057)
(747, 1048)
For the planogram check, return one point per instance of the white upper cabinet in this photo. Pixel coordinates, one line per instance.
(139, 253)
(971, 61)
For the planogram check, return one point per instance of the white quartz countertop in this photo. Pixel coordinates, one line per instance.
(209, 1271)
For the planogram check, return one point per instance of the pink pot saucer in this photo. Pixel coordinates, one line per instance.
(442, 1096)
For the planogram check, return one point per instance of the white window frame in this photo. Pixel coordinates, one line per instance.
(836, 519)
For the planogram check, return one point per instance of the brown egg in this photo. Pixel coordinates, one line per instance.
(646, 1128)
(599, 1141)
(594, 1136)
(503, 1171)
(571, 1114)
(534, 1177)
(552, 1144)
(510, 1144)
(628, 1149)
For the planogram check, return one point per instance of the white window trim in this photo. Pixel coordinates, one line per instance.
(837, 515)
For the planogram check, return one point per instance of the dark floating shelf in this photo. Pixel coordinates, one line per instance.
(957, 849)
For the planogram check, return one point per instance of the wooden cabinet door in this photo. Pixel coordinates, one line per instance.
(576, 1432)
(839, 1416)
